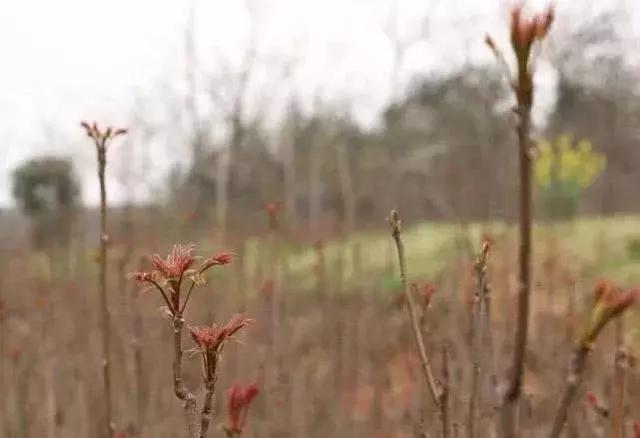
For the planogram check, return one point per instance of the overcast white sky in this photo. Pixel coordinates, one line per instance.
(68, 60)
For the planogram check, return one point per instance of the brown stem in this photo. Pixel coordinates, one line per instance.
(435, 389)
(180, 388)
(165, 297)
(138, 367)
(186, 299)
(210, 363)
(49, 386)
(619, 383)
(475, 372)
(105, 315)
(578, 362)
(478, 329)
(513, 393)
(3, 387)
(207, 409)
(444, 417)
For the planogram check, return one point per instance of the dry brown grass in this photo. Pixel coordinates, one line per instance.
(341, 362)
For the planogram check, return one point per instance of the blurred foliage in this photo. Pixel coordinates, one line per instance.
(632, 247)
(47, 191)
(45, 184)
(390, 282)
(562, 171)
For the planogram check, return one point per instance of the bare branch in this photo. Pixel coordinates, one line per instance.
(433, 386)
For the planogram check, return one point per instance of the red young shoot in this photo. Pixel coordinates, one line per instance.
(239, 397)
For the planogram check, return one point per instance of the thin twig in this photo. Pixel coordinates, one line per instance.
(164, 295)
(445, 417)
(480, 325)
(138, 367)
(434, 387)
(578, 362)
(618, 393)
(500, 58)
(489, 392)
(186, 299)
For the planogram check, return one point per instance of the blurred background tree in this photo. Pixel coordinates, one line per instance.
(47, 191)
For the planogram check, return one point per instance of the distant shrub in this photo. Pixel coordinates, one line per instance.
(562, 171)
(47, 191)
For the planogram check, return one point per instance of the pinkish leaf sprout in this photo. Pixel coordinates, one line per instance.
(212, 338)
(239, 398)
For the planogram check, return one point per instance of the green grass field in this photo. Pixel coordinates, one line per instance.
(598, 246)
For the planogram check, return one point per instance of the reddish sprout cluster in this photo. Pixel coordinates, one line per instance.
(15, 353)
(267, 288)
(239, 398)
(180, 259)
(610, 297)
(636, 429)
(171, 270)
(223, 258)
(527, 29)
(272, 208)
(592, 401)
(212, 338)
(610, 301)
(175, 264)
(425, 291)
(483, 255)
(167, 276)
(487, 239)
(101, 136)
(141, 276)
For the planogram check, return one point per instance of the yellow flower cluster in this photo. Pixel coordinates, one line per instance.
(565, 163)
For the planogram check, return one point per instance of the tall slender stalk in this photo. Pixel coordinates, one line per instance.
(105, 315)
(514, 391)
(101, 139)
(524, 33)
